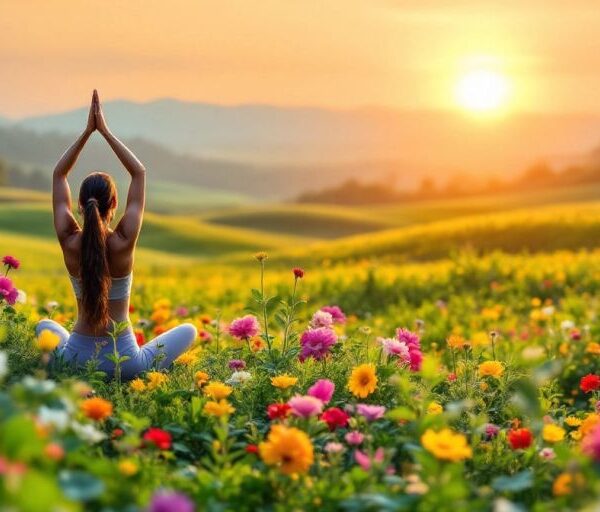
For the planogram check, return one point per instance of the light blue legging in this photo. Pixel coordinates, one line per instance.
(77, 349)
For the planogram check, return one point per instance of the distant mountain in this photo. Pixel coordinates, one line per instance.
(42, 150)
(417, 142)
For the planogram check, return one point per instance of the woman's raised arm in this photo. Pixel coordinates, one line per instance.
(65, 224)
(130, 224)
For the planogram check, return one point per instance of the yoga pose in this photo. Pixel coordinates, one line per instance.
(99, 261)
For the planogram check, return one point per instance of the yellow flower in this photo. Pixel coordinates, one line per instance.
(261, 256)
(491, 369)
(362, 381)
(536, 302)
(552, 433)
(188, 358)
(201, 378)
(564, 349)
(218, 409)
(47, 341)
(457, 341)
(96, 408)
(217, 390)
(161, 304)
(573, 421)
(283, 381)
(434, 408)
(593, 348)
(567, 483)
(128, 467)
(156, 379)
(446, 445)
(288, 448)
(137, 385)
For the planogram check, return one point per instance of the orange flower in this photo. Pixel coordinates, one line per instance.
(96, 408)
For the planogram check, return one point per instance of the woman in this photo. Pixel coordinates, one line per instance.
(99, 261)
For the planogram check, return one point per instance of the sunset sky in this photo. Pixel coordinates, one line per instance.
(334, 53)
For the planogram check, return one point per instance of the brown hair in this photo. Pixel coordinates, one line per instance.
(97, 199)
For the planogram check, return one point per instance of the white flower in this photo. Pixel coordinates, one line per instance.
(56, 418)
(39, 386)
(88, 433)
(547, 454)
(50, 305)
(3, 364)
(321, 319)
(239, 378)
(548, 310)
(21, 297)
(567, 325)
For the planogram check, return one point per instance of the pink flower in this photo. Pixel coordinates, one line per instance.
(413, 343)
(11, 262)
(321, 319)
(182, 311)
(354, 438)
(333, 447)
(305, 406)
(316, 343)
(245, 327)
(393, 347)
(365, 461)
(8, 291)
(591, 444)
(547, 454)
(370, 412)
(336, 313)
(322, 389)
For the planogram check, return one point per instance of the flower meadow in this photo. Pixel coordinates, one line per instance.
(471, 384)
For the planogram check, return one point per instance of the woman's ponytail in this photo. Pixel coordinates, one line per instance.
(95, 273)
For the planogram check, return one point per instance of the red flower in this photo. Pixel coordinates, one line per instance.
(451, 377)
(251, 448)
(278, 411)
(520, 438)
(589, 383)
(116, 433)
(131, 308)
(335, 417)
(140, 338)
(298, 273)
(158, 437)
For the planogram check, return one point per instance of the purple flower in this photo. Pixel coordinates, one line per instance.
(370, 412)
(336, 313)
(8, 291)
(354, 438)
(491, 431)
(11, 262)
(305, 406)
(237, 364)
(245, 327)
(168, 501)
(413, 342)
(316, 343)
(322, 389)
(321, 319)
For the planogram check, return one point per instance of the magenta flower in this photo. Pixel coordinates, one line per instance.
(11, 262)
(321, 319)
(354, 438)
(245, 327)
(316, 343)
(413, 342)
(305, 406)
(336, 313)
(7, 291)
(168, 501)
(370, 412)
(365, 461)
(491, 431)
(322, 389)
(237, 364)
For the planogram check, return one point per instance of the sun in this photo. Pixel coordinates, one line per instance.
(483, 91)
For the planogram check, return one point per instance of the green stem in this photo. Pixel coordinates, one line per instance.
(264, 304)
(290, 318)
